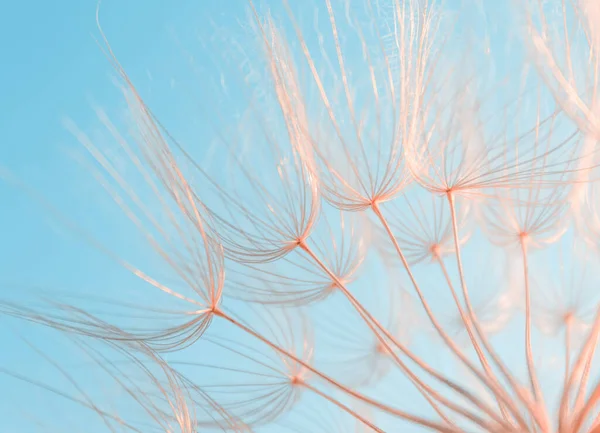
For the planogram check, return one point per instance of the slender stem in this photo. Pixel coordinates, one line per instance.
(585, 356)
(533, 408)
(426, 391)
(584, 379)
(468, 326)
(535, 386)
(489, 381)
(564, 411)
(591, 403)
(414, 378)
(343, 407)
(369, 320)
(381, 406)
(567, 353)
(596, 425)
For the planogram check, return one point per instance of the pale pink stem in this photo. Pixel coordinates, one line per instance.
(421, 386)
(584, 379)
(342, 406)
(381, 406)
(426, 391)
(584, 357)
(535, 386)
(596, 425)
(583, 413)
(567, 353)
(564, 411)
(369, 318)
(480, 354)
(490, 381)
(522, 393)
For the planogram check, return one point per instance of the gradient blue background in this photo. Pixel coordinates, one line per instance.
(52, 68)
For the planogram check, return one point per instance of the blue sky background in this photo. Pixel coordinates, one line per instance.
(52, 68)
